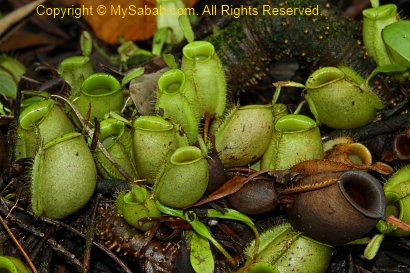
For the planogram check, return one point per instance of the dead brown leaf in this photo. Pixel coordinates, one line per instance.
(143, 91)
(25, 39)
(230, 187)
(109, 27)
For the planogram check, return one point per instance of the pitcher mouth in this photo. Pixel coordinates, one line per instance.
(294, 123)
(364, 193)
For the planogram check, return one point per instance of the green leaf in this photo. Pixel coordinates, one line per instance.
(201, 257)
(170, 211)
(86, 43)
(231, 214)
(202, 230)
(12, 66)
(8, 86)
(2, 109)
(312, 108)
(375, 3)
(170, 61)
(373, 247)
(132, 74)
(186, 28)
(397, 38)
(389, 68)
(30, 101)
(160, 37)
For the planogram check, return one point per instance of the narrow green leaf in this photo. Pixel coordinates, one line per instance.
(30, 101)
(186, 28)
(132, 74)
(202, 230)
(288, 84)
(373, 247)
(113, 114)
(312, 108)
(238, 216)
(170, 61)
(360, 241)
(201, 257)
(389, 68)
(2, 109)
(276, 94)
(160, 37)
(86, 43)
(8, 86)
(170, 211)
(231, 214)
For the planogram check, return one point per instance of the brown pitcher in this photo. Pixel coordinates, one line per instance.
(342, 212)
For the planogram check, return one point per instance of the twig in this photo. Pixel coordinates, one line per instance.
(90, 235)
(13, 17)
(44, 240)
(18, 245)
(390, 125)
(91, 134)
(69, 228)
(54, 245)
(45, 264)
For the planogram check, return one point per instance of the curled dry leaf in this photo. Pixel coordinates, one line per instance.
(109, 27)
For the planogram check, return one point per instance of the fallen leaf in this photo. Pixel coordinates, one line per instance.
(109, 27)
(24, 39)
(230, 187)
(143, 91)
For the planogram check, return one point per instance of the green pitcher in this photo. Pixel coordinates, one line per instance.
(184, 178)
(64, 177)
(154, 139)
(117, 139)
(39, 123)
(342, 98)
(244, 135)
(296, 138)
(102, 92)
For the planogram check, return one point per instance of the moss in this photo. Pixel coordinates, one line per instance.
(250, 43)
